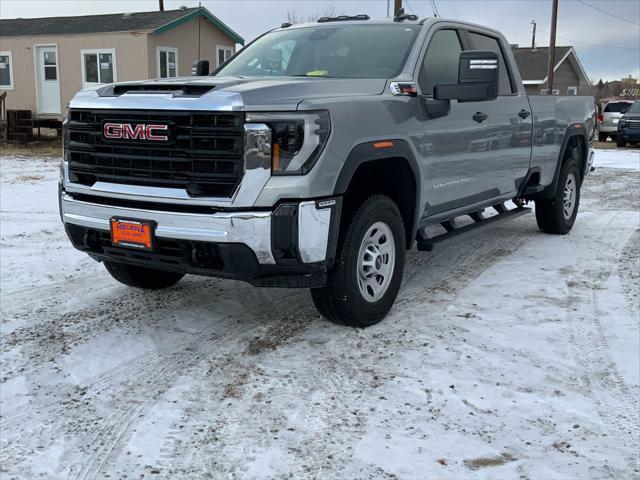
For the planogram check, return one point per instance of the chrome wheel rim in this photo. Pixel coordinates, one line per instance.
(376, 261)
(569, 202)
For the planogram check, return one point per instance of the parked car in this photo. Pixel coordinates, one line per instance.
(629, 126)
(611, 114)
(316, 156)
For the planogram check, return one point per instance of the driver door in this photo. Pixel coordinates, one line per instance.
(457, 133)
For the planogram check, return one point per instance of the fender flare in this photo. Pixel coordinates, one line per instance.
(366, 152)
(573, 130)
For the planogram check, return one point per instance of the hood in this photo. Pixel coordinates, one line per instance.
(223, 93)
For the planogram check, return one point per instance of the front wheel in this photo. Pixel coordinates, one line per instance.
(620, 143)
(365, 280)
(558, 214)
(141, 277)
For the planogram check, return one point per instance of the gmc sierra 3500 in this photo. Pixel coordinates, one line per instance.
(316, 156)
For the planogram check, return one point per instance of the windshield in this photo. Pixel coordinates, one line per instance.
(617, 107)
(635, 108)
(345, 51)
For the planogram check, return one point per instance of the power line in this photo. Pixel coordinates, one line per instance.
(608, 13)
(435, 8)
(409, 5)
(572, 40)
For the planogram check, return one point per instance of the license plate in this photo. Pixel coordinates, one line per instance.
(132, 233)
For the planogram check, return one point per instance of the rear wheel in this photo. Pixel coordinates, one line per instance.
(558, 214)
(365, 280)
(602, 137)
(620, 143)
(141, 277)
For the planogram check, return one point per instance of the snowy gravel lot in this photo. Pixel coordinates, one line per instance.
(509, 354)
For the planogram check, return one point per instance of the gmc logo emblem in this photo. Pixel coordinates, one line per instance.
(141, 131)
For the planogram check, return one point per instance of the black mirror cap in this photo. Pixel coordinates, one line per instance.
(466, 92)
(200, 68)
(478, 75)
(478, 66)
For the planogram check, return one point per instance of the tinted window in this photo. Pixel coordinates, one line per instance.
(353, 51)
(483, 42)
(440, 64)
(617, 107)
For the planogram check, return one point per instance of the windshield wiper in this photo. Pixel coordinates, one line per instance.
(311, 76)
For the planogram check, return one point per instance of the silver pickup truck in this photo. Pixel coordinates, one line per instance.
(316, 156)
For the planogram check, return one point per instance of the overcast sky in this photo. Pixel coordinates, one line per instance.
(608, 47)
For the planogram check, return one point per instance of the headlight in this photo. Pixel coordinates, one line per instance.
(622, 123)
(297, 139)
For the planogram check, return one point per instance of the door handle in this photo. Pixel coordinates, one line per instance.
(480, 117)
(524, 113)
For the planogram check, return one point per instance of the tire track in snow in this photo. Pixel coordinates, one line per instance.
(159, 378)
(615, 402)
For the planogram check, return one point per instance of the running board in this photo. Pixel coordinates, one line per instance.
(426, 244)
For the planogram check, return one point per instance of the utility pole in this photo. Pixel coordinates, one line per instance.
(533, 35)
(161, 5)
(552, 47)
(397, 6)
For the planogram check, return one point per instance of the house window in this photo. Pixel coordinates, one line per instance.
(572, 91)
(224, 54)
(98, 66)
(167, 62)
(6, 71)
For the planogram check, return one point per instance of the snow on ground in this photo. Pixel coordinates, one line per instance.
(509, 354)
(625, 158)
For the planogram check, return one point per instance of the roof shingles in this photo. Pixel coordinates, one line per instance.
(118, 22)
(534, 63)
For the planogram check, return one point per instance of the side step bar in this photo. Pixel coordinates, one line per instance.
(426, 244)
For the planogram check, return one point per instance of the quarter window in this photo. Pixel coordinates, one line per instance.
(98, 66)
(224, 54)
(6, 71)
(484, 42)
(440, 64)
(167, 62)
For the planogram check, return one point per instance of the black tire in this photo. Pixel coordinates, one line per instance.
(550, 213)
(621, 143)
(602, 137)
(140, 277)
(341, 301)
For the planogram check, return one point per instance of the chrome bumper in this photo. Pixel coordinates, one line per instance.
(250, 228)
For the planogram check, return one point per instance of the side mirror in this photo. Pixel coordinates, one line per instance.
(477, 78)
(200, 68)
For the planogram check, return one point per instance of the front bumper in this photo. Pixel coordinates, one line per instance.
(291, 245)
(629, 134)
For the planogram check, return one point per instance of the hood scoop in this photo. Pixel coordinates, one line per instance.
(176, 89)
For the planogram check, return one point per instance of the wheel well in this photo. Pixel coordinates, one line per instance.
(576, 149)
(388, 176)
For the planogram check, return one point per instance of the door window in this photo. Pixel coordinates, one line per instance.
(50, 65)
(484, 42)
(98, 66)
(440, 63)
(167, 62)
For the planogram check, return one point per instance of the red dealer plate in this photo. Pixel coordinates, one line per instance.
(132, 233)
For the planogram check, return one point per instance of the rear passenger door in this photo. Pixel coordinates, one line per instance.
(456, 141)
(510, 120)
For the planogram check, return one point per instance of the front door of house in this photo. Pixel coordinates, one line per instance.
(47, 79)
